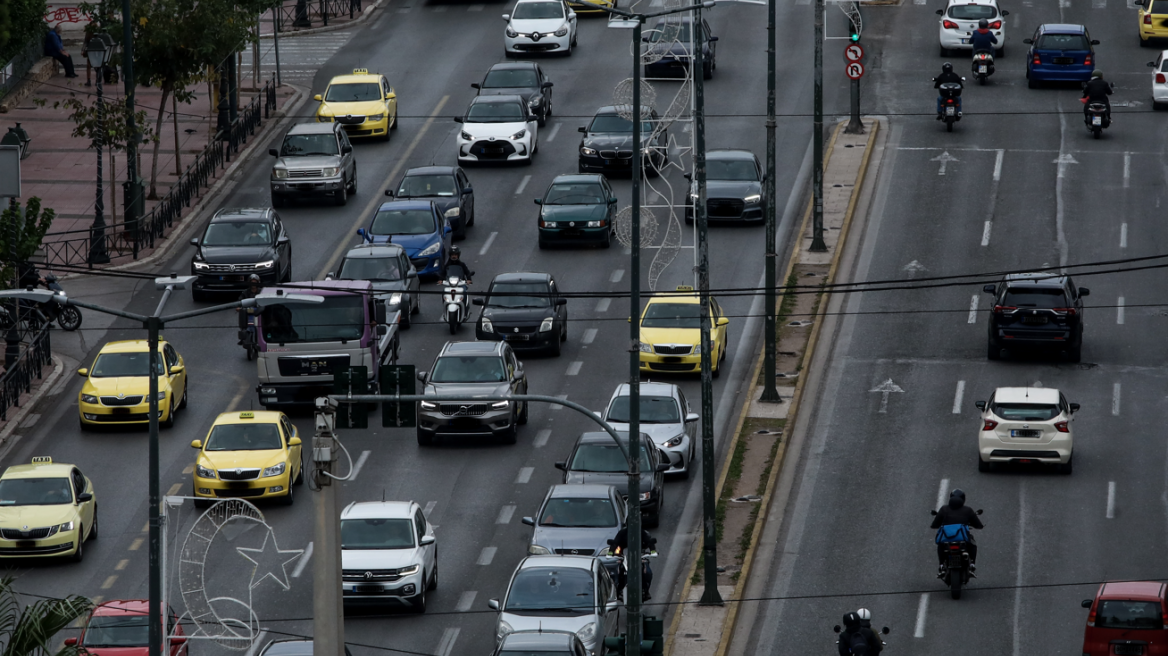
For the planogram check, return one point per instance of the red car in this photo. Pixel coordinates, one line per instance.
(121, 628)
(1127, 619)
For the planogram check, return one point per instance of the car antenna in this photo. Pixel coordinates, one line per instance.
(382, 495)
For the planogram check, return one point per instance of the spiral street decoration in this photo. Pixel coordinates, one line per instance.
(624, 227)
(622, 98)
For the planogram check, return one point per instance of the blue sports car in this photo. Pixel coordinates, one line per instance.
(418, 227)
(1060, 53)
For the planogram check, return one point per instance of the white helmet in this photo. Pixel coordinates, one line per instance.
(865, 614)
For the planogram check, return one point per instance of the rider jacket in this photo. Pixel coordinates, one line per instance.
(622, 539)
(946, 77)
(963, 515)
(457, 267)
(1097, 91)
(982, 40)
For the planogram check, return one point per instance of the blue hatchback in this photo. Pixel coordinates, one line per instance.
(416, 226)
(1060, 53)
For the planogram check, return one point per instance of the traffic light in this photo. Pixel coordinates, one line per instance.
(398, 379)
(853, 31)
(653, 632)
(614, 646)
(351, 380)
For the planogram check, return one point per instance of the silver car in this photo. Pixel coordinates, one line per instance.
(576, 520)
(560, 593)
(394, 278)
(314, 160)
(665, 417)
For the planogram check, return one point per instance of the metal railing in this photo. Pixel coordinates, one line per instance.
(293, 14)
(13, 71)
(72, 247)
(17, 378)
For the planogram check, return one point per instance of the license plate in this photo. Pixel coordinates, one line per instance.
(518, 338)
(490, 151)
(1034, 321)
(965, 41)
(982, 69)
(950, 111)
(1129, 650)
(1096, 120)
(25, 544)
(121, 411)
(1025, 433)
(368, 588)
(1064, 61)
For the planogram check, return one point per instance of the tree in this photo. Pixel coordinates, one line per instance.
(106, 127)
(29, 631)
(20, 22)
(27, 231)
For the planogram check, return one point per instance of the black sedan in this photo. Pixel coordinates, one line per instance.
(447, 186)
(577, 209)
(735, 187)
(671, 48)
(237, 243)
(525, 310)
(607, 145)
(524, 79)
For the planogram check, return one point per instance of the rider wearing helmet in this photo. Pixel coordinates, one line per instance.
(875, 644)
(455, 266)
(253, 290)
(1096, 91)
(956, 512)
(982, 39)
(947, 75)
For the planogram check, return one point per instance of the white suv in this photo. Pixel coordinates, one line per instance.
(389, 555)
(1026, 425)
(959, 19)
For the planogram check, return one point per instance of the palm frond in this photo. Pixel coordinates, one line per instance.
(40, 622)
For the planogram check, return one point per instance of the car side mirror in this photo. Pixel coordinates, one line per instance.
(692, 417)
(475, 85)
(317, 98)
(687, 176)
(195, 240)
(83, 372)
(422, 376)
(561, 301)
(178, 640)
(1086, 602)
(989, 289)
(458, 119)
(382, 330)
(506, 17)
(1094, 42)
(1083, 291)
(476, 301)
(582, 129)
(84, 496)
(468, 190)
(712, 39)
(426, 539)
(611, 607)
(391, 95)
(980, 405)
(613, 200)
(70, 642)
(1151, 64)
(273, 152)
(562, 465)
(346, 149)
(177, 369)
(389, 192)
(546, 85)
(283, 239)
(1005, 13)
(1028, 41)
(530, 521)
(940, 12)
(447, 230)
(539, 201)
(294, 441)
(1075, 407)
(412, 273)
(493, 604)
(723, 321)
(196, 444)
(662, 466)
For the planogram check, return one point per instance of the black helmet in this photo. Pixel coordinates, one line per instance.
(983, 24)
(851, 621)
(253, 279)
(947, 67)
(956, 499)
(455, 250)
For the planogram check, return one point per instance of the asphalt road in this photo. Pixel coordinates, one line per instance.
(431, 52)
(1020, 183)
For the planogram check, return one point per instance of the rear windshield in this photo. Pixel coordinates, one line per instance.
(972, 12)
(509, 78)
(1062, 42)
(1129, 615)
(1035, 297)
(1025, 411)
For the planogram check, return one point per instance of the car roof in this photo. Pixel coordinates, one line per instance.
(729, 153)
(355, 77)
(379, 510)
(1061, 28)
(129, 346)
(578, 491)
(992, 3)
(122, 606)
(324, 285)
(1042, 395)
(611, 109)
(578, 177)
(511, 66)
(38, 469)
(574, 562)
(1035, 280)
(312, 128)
(648, 388)
(430, 170)
(503, 98)
(594, 437)
(537, 640)
(380, 249)
(522, 276)
(242, 214)
(1144, 590)
(471, 348)
(256, 417)
(407, 205)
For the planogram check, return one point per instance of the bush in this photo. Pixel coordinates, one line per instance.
(20, 22)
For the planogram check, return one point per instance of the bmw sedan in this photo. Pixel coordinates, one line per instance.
(607, 145)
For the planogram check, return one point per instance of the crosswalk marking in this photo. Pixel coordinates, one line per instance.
(300, 57)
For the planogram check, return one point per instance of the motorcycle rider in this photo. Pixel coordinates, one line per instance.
(947, 75)
(1096, 91)
(875, 644)
(253, 290)
(852, 641)
(648, 543)
(456, 266)
(956, 512)
(982, 39)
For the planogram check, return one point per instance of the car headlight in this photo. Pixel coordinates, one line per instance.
(267, 264)
(161, 396)
(646, 150)
(67, 526)
(488, 327)
(674, 441)
(550, 224)
(426, 405)
(395, 299)
(330, 171)
(646, 348)
(596, 224)
(511, 34)
(753, 198)
(588, 632)
(466, 136)
(201, 266)
(536, 550)
(406, 571)
(203, 472)
(645, 496)
(563, 31)
(430, 250)
(274, 470)
(451, 213)
(503, 630)
(535, 102)
(324, 119)
(585, 150)
(280, 174)
(88, 398)
(547, 324)
(500, 405)
(375, 118)
(519, 135)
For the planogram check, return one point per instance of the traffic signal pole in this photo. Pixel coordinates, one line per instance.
(328, 613)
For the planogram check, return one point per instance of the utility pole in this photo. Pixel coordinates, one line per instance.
(133, 189)
(633, 557)
(770, 393)
(327, 605)
(817, 244)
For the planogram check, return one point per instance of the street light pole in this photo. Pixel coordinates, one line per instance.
(98, 51)
(633, 555)
(770, 393)
(132, 202)
(817, 244)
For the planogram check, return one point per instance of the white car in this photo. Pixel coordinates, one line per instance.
(498, 129)
(1026, 425)
(540, 26)
(960, 19)
(665, 417)
(1159, 80)
(389, 555)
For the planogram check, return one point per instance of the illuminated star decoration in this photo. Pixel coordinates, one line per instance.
(268, 564)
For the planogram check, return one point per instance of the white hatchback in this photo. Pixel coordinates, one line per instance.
(960, 18)
(540, 26)
(1026, 425)
(1160, 80)
(389, 555)
(498, 129)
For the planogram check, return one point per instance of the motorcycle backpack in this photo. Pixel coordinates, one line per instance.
(953, 533)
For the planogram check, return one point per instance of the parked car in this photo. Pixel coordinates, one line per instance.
(1059, 53)
(389, 554)
(576, 520)
(314, 160)
(447, 187)
(236, 243)
(394, 278)
(474, 369)
(577, 209)
(525, 310)
(596, 459)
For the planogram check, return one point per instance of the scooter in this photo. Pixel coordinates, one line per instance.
(883, 631)
(956, 568)
(983, 65)
(456, 302)
(616, 561)
(1097, 118)
(950, 92)
(67, 317)
(247, 337)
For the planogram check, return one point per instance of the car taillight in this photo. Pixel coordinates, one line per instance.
(996, 25)
(1037, 61)
(1070, 311)
(1160, 78)
(949, 25)
(1061, 426)
(989, 424)
(1147, 19)
(1091, 615)
(1164, 616)
(1087, 60)
(1000, 309)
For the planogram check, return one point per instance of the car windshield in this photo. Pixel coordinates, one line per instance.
(672, 315)
(552, 588)
(1025, 411)
(296, 145)
(731, 169)
(1035, 297)
(403, 222)
(426, 185)
(495, 112)
(538, 10)
(669, 31)
(578, 513)
(353, 92)
(35, 491)
(654, 410)
(604, 459)
(117, 631)
(579, 193)
(244, 437)
(972, 12)
(517, 652)
(118, 365)
(1123, 614)
(519, 295)
(337, 318)
(237, 233)
(469, 369)
(615, 123)
(508, 78)
(377, 534)
(378, 269)
(1062, 42)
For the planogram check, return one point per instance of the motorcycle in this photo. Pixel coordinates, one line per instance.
(950, 92)
(616, 561)
(456, 302)
(67, 317)
(1097, 118)
(983, 65)
(247, 337)
(883, 631)
(956, 568)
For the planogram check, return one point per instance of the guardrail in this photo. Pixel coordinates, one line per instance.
(17, 378)
(13, 71)
(73, 247)
(296, 14)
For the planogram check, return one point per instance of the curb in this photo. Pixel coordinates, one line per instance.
(365, 14)
(46, 384)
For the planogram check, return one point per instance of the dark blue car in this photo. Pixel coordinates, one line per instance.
(418, 227)
(1060, 53)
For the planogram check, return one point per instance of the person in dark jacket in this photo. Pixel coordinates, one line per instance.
(56, 49)
(456, 267)
(648, 543)
(1097, 91)
(947, 75)
(982, 39)
(875, 644)
(852, 641)
(254, 286)
(956, 512)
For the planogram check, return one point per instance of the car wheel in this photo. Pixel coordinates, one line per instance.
(554, 348)
(198, 296)
(277, 202)
(564, 332)
(607, 243)
(405, 321)
(85, 428)
(1069, 466)
(353, 183)
(983, 466)
(93, 529)
(993, 352)
(288, 499)
(393, 126)
(542, 120)
(419, 601)
(186, 388)
(716, 367)
(79, 555)
(542, 245)
(424, 438)
(169, 417)
(523, 415)
(512, 434)
(300, 474)
(1075, 353)
(470, 221)
(707, 71)
(1031, 82)
(1143, 42)
(508, 54)
(342, 196)
(434, 574)
(1157, 105)
(1001, 52)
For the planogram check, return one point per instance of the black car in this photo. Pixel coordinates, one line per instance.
(607, 145)
(525, 79)
(577, 209)
(670, 51)
(447, 186)
(525, 310)
(476, 369)
(597, 459)
(237, 243)
(1039, 311)
(735, 187)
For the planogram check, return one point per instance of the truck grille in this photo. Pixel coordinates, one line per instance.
(306, 173)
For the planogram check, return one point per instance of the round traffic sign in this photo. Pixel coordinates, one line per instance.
(854, 52)
(854, 70)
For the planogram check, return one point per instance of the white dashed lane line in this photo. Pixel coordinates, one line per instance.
(602, 304)
(556, 406)
(973, 309)
(589, 335)
(446, 644)
(617, 275)
(541, 439)
(505, 514)
(303, 562)
(525, 473)
(429, 508)
(359, 464)
(487, 245)
(487, 555)
(574, 368)
(1115, 399)
(465, 601)
(922, 613)
(1123, 236)
(522, 184)
(958, 397)
(1119, 311)
(555, 130)
(1111, 500)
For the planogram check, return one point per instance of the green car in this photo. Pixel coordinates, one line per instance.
(577, 209)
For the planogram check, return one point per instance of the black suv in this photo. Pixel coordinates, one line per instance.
(596, 459)
(1036, 310)
(475, 369)
(525, 310)
(237, 243)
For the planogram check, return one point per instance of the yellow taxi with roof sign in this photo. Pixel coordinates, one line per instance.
(47, 509)
(249, 455)
(363, 103)
(671, 333)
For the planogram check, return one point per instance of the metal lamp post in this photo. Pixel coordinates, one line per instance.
(99, 50)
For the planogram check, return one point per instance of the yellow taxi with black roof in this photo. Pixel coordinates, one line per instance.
(250, 455)
(671, 333)
(363, 103)
(47, 509)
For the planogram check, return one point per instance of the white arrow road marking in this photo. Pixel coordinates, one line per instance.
(1062, 161)
(944, 158)
(886, 388)
(913, 268)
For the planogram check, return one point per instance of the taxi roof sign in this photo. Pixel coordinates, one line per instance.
(42, 459)
(685, 288)
(247, 415)
(360, 71)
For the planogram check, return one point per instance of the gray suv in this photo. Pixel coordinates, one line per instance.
(473, 369)
(315, 160)
(394, 278)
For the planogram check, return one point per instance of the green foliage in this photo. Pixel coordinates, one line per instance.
(106, 128)
(29, 231)
(20, 22)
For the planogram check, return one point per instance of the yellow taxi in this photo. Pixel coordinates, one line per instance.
(671, 333)
(46, 509)
(363, 103)
(1153, 17)
(250, 455)
(589, 9)
(117, 386)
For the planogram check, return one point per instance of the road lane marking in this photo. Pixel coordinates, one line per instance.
(589, 335)
(136, 544)
(944, 158)
(109, 582)
(446, 645)
(146, 527)
(998, 164)
(174, 489)
(1111, 500)
(985, 233)
(487, 555)
(1018, 569)
(487, 245)
(555, 130)
(1119, 311)
(122, 564)
(602, 304)
(958, 397)
(943, 492)
(922, 612)
(522, 184)
(359, 464)
(188, 469)
(1115, 399)
(526, 472)
(1123, 235)
(1126, 170)
(557, 406)
(541, 438)
(617, 275)
(30, 420)
(429, 508)
(303, 562)
(256, 645)
(574, 368)
(465, 601)
(1064, 159)
(505, 514)
(973, 308)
